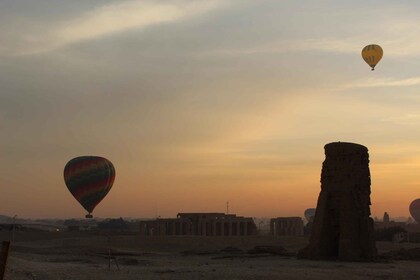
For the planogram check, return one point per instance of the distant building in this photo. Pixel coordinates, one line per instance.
(81, 225)
(386, 217)
(387, 223)
(412, 234)
(286, 226)
(113, 225)
(202, 224)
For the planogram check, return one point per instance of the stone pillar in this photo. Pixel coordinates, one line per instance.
(227, 228)
(177, 228)
(162, 229)
(342, 227)
(203, 228)
(172, 227)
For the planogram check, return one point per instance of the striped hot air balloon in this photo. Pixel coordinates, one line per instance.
(89, 179)
(415, 210)
(372, 54)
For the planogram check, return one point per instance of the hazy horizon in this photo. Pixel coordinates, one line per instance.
(198, 103)
(408, 219)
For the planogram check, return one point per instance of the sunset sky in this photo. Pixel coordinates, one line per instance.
(201, 102)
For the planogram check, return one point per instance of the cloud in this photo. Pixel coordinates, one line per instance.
(406, 119)
(382, 82)
(400, 47)
(285, 46)
(111, 19)
(133, 14)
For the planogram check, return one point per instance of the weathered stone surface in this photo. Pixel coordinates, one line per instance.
(342, 227)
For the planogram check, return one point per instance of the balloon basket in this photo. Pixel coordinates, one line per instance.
(89, 216)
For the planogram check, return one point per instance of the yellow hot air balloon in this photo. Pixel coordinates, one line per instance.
(372, 54)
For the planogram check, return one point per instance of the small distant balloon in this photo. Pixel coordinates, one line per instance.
(309, 213)
(372, 54)
(415, 210)
(89, 179)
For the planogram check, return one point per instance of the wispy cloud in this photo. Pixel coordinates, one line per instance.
(402, 46)
(406, 119)
(114, 18)
(284, 46)
(382, 82)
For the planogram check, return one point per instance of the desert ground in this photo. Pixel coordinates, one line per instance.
(66, 255)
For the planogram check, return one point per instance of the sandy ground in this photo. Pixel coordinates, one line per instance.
(39, 255)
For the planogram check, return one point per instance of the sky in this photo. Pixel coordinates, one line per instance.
(197, 103)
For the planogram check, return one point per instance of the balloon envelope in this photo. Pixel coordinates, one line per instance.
(309, 213)
(415, 210)
(372, 54)
(89, 179)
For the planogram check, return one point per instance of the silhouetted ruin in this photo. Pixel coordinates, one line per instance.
(292, 226)
(342, 226)
(386, 217)
(204, 224)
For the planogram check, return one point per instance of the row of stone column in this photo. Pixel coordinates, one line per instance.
(204, 228)
(286, 227)
(223, 228)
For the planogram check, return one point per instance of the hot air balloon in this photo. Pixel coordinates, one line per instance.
(372, 54)
(309, 214)
(415, 210)
(89, 179)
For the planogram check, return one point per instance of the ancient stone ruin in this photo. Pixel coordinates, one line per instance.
(342, 228)
(286, 226)
(203, 224)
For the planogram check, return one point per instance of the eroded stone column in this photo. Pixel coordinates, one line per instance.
(342, 227)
